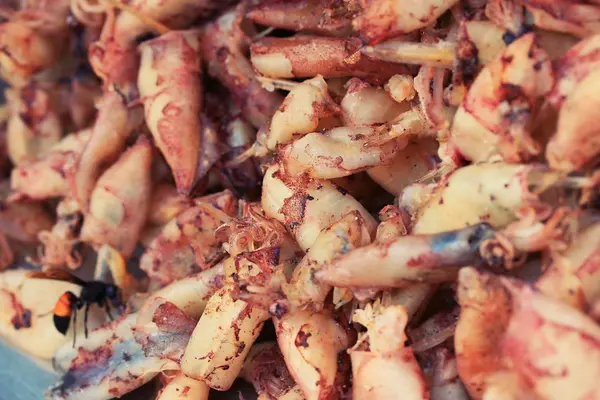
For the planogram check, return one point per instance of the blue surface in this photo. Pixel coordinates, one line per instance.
(22, 378)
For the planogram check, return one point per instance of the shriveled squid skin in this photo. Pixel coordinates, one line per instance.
(407, 165)
(191, 294)
(166, 204)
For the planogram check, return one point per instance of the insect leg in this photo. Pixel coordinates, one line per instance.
(74, 325)
(107, 308)
(44, 314)
(85, 319)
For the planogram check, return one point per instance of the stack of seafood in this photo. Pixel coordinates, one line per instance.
(327, 199)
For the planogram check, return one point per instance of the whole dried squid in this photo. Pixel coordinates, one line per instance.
(114, 123)
(310, 343)
(124, 354)
(408, 259)
(32, 41)
(265, 369)
(120, 201)
(386, 368)
(305, 56)
(222, 339)
(48, 177)
(344, 235)
(187, 243)
(224, 44)
(34, 125)
(573, 275)
(485, 311)
(544, 336)
(495, 118)
(59, 244)
(169, 82)
(183, 387)
(382, 19)
(306, 206)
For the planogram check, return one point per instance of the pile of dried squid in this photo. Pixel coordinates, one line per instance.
(406, 190)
